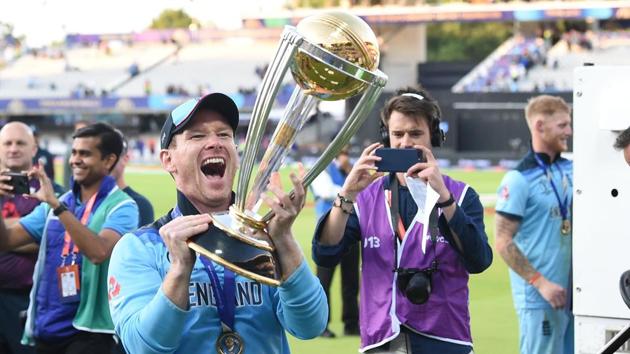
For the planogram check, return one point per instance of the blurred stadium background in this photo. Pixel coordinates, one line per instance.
(481, 59)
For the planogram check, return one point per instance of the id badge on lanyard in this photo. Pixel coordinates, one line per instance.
(69, 276)
(69, 283)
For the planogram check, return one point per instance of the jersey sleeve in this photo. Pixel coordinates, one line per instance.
(35, 222)
(302, 308)
(123, 218)
(512, 195)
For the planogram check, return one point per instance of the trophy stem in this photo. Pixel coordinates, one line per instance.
(295, 115)
(354, 122)
(266, 95)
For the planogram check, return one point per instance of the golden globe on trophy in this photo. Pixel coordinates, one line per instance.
(332, 56)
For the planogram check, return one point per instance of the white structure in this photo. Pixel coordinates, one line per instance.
(601, 204)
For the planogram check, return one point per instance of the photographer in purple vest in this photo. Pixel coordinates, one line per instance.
(414, 278)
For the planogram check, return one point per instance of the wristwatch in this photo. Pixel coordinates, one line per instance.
(60, 209)
(346, 205)
(446, 203)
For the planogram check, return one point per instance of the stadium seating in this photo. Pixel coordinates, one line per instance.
(201, 67)
(194, 69)
(502, 69)
(604, 48)
(553, 71)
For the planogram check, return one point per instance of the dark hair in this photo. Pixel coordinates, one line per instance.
(623, 140)
(111, 141)
(419, 104)
(125, 143)
(84, 122)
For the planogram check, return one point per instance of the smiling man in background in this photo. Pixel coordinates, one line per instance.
(533, 230)
(76, 233)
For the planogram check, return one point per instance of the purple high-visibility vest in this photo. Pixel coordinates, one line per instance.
(445, 315)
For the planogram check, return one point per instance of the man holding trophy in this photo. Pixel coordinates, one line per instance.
(421, 234)
(164, 297)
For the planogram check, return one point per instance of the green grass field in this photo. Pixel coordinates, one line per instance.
(494, 323)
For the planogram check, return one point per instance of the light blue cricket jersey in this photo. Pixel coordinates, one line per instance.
(526, 194)
(148, 322)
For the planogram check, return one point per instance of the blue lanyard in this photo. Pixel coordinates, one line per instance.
(564, 206)
(224, 295)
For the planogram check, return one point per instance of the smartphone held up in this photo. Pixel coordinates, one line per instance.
(397, 160)
(19, 182)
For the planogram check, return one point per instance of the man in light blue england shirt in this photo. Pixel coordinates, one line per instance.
(533, 230)
(163, 297)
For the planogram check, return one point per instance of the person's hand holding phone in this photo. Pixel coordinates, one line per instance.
(429, 171)
(45, 193)
(13, 183)
(363, 173)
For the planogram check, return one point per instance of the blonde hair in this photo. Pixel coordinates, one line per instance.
(546, 106)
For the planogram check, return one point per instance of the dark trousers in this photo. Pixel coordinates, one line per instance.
(12, 302)
(349, 286)
(80, 343)
(412, 343)
(118, 348)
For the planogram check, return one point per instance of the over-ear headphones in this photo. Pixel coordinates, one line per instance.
(437, 134)
(384, 133)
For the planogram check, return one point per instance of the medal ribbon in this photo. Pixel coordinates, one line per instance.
(563, 205)
(224, 295)
(67, 240)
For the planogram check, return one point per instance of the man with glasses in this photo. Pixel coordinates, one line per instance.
(165, 298)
